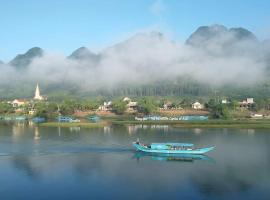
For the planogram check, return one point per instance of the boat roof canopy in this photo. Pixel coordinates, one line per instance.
(173, 144)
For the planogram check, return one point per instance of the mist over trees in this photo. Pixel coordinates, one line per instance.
(232, 61)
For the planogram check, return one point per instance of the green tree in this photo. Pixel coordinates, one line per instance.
(68, 107)
(234, 104)
(46, 109)
(6, 108)
(220, 111)
(119, 106)
(147, 105)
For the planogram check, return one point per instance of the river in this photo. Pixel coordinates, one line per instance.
(80, 163)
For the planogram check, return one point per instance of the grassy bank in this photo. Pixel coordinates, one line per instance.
(80, 124)
(206, 124)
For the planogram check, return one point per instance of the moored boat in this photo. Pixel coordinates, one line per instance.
(171, 148)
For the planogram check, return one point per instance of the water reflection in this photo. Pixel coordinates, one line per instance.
(36, 136)
(74, 129)
(197, 131)
(173, 157)
(132, 129)
(23, 163)
(85, 162)
(107, 129)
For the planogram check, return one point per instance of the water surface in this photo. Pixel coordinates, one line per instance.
(76, 163)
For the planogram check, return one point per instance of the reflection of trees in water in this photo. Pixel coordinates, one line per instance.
(23, 163)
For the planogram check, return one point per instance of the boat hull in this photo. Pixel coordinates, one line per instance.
(165, 151)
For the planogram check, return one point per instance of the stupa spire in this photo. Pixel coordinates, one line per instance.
(37, 94)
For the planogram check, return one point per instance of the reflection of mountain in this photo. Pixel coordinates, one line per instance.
(24, 164)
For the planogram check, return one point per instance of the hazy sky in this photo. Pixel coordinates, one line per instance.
(64, 25)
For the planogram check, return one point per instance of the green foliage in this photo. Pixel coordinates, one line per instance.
(234, 105)
(147, 105)
(68, 107)
(262, 104)
(218, 110)
(46, 109)
(5, 108)
(89, 105)
(119, 106)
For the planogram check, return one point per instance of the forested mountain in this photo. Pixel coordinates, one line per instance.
(214, 58)
(219, 33)
(82, 53)
(23, 60)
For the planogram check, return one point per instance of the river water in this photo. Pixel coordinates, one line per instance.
(80, 163)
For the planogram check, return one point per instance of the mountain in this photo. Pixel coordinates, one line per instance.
(82, 53)
(1, 62)
(23, 60)
(220, 34)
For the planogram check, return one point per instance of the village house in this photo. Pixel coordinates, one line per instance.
(18, 103)
(131, 105)
(167, 105)
(32, 112)
(224, 101)
(197, 105)
(107, 106)
(247, 103)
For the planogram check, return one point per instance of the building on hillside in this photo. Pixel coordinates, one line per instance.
(131, 105)
(167, 105)
(38, 95)
(224, 101)
(197, 105)
(18, 103)
(32, 112)
(107, 106)
(127, 99)
(256, 116)
(247, 103)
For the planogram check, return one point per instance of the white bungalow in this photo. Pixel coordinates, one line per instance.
(132, 105)
(107, 106)
(126, 99)
(197, 105)
(224, 101)
(18, 102)
(247, 103)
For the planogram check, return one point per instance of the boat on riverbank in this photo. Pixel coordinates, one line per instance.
(171, 148)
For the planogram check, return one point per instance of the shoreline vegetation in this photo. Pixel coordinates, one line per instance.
(243, 124)
(203, 124)
(75, 124)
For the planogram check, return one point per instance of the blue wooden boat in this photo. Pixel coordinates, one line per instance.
(38, 119)
(93, 118)
(171, 148)
(66, 119)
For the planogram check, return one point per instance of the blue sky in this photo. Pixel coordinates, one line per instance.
(64, 25)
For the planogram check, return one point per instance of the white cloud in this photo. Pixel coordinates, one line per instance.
(146, 58)
(158, 8)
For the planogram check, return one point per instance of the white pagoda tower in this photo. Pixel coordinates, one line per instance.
(37, 94)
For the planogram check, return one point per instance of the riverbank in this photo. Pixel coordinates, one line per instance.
(75, 124)
(204, 124)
